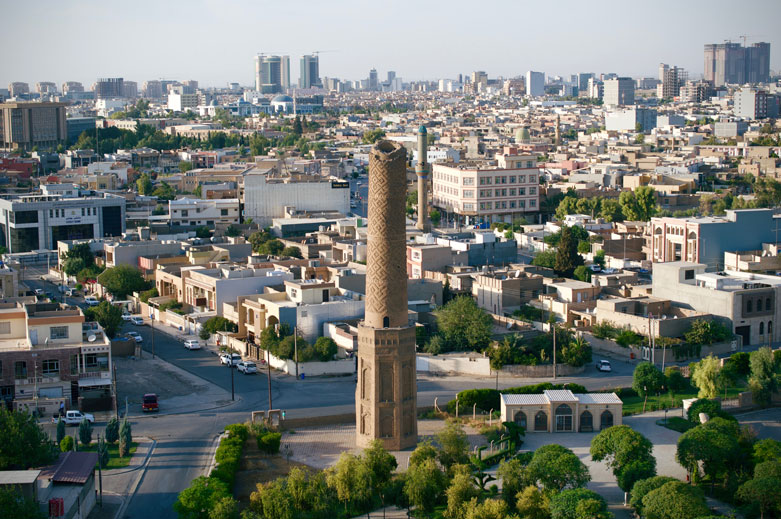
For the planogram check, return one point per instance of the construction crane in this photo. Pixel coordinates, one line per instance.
(318, 52)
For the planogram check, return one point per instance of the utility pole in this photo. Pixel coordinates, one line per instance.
(152, 322)
(230, 366)
(116, 404)
(295, 348)
(651, 340)
(268, 366)
(553, 327)
(100, 470)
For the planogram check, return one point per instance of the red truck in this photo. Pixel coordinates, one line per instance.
(150, 403)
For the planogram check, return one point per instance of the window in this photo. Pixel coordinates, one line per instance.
(185, 212)
(50, 367)
(520, 419)
(469, 181)
(521, 179)
(20, 369)
(532, 178)
(58, 332)
(5, 327)
(586, 422)
(512, 204)
(749, 306)
(469, 193)
(769, 327)
(761, 328)
(606, 420)
(512, 192)
(512, 179)
(540, 421)
(74, 364)
(768, 304)
(688, 274)
(82, 211)
(223, 212)
(759, 306)
(563, 418)
(532, 190)
(532, 203)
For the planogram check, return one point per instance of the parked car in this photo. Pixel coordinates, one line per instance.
(75, 418)
(138, 321)
(247, 367)
(192, 344)
(91, 301)
(38, 291)
(230, 359)
(135, 335)
(71, 292)
(604, 365)
(126, 317)
(150, 403)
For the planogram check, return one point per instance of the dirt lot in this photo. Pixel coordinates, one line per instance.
(136, 377)
(257, 467)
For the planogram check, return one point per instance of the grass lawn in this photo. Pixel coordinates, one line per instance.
(676, 423)
(114, 461)
(634, 404)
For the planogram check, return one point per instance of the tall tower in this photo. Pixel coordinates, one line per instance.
(421, 170)
(386, 394)
(557, 137)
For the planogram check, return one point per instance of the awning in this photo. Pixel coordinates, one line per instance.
(94, 381)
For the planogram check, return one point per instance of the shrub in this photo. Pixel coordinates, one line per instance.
(710, 407)
(740, 361)
(66, 444)
(269, 442)
(112, 430)
(675, 379)
(604, 330)
(125, 438)
(239, 430)
(85, 432)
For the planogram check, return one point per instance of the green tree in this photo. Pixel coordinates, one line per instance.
(564, 505)
(85, 432)
(764, 379)
(185, 166)
(567, 257)
(647, 378)
(582, 273)
(112, 430)
(372, 136)
(514, 480)
(638, 205)
(60, 430)
(297, 128)
(424, 451)
(704, 332)
(459, 493)
(435, 216)
(125, 438)
(488, 509)
(73, 266)
(709, 446)
(576, 352)
(122, 280)
(641, 488)
(762, 491)
(233, 231)
(293, 252)
(164, 191)
(464, 325)
(675, 500)
(107, 315)
(272, 247)
(424, 484)
(453, 445)
(202, 232)
(66, 444)
(545, 259)
(144, 185)
(198, 191)
(626, 452)
(555, 468)
(532, 503)
(379, 464)
(706, 377)
(273, 500)
(23, 444)
(325, 348)
(195, 501)
(350, 479)
(15, 505)
(767, 449)
(611, 210)
(225, 508)
(218, 324)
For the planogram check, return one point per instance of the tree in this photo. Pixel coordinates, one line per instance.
(704, 332)
(144, 185)
(112, 430)
(626, 452)
(164, 192)
(576, 352)
(453, 445)
(706, 377)
(107, 315)
(422, 452)
(514, 480)
(762, 491)
(293, 252)
(642, 488)
(675, 500)
(460, 492)
(185, 166)
(195, 501)
(555, 468)
(564, 505)
(272, 247)
(225, 508)
(764, 379)
(611, 210)
(350, 479)
(60, 430)
(545, 259)
(532, 503)
(202, 232)
(424, 484)
(232, 231)
(66, 444)
(435, 216)
(297, 127)
(639, 205)
(218, 324)
(85, 432)
(709, 446)
(23, 444)
(767, 449)
(464, 325)
(380, 465)
(582, 273)
(325, 348)
(372, 136)
(488, 509)
(122, 280)
(14, 504)
(647, 378)
(567, 257)
(73, 266)
(125, 438)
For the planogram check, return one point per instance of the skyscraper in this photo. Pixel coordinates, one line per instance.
(535, 83)
(619, 91)
(732, 63)
(374, 83)
(107, 88)
(672, 79)
(310, 71)
(153, 89)
(272, 73)
(386, 393)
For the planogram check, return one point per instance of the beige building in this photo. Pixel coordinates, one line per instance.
(25, 125)
(560, 410)
(488, 191)
(505, 291)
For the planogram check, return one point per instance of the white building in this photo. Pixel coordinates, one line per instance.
(195, 211)
(437, 154)
(627, 120)
(535, 83)
(561, 410)
(179, 102)
(266, 196)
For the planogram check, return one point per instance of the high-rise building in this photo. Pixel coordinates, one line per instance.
(672, 79)
(190, 83)
(583, 78)
(72, 86)
(107, 88)
(153, 89)
(18, 88)
(24, 126)
(596, 88)
(310, 71)
(696, 91)
(374, 83)
(272, 73)
(619, 91)
(535, 83)
(46, 87)
(129, 89)
(391, 76)
(386, 393)
(732, 63)
(752, 103)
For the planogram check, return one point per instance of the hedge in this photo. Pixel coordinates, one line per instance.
(487, 399)
(228, 455)
(268, 442)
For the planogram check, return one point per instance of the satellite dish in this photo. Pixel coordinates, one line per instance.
(91, 338)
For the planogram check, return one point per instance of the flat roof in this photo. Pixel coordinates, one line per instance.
(18, 477)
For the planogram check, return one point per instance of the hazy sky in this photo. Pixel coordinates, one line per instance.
(214, 41)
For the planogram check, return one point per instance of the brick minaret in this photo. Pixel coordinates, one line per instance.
(385, 399)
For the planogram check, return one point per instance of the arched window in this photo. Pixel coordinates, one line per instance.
(386, 321)
(759, 304)
(769, 327)
(606, 420)
(520, 419)
(563, 418)
(761, 328)
(586, 422)
(749, 306)
(540, 421)
(768, 304)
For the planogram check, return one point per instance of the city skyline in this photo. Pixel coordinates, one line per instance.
(606, 39)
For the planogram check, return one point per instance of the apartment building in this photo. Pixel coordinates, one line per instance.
(476, 192)
(506, 290)
(33, 222)
(48, 355)
(195, 211)
(24, 126)
(619, 91)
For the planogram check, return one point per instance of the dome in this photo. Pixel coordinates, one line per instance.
(282, 99)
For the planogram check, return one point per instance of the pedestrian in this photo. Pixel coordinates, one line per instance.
(62, 408)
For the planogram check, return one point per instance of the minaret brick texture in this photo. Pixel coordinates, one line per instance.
(386, 395)
(422, 171)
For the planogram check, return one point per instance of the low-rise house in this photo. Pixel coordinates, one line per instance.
(505, 290)
(560, 410)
